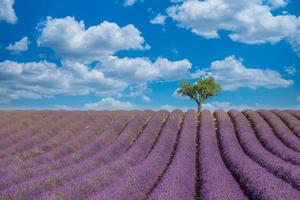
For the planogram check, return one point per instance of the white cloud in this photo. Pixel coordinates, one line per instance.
(7, 13)
(294, 39)
(139, 90)
(112, 77)
(277, 3)
(159, 19)
(177, 1)
(224, 105)
(232, 74)
(110, 103)
(291, 70)
(248, 21)
(173, 107)
(72, 40)
(137, 70)
(212, 106)
(173, 70)
(18, 46)
(298, 98)
(129, 2)
(43, 79)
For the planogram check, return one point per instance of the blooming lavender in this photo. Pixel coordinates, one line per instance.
(295, 113)
(99, 178)
(13, 176)
(216, 181)
(281, 130)
(269, 140)
(137, 182)
(32, 141)
(36, 185)
(135, 155)
(291, 121)
(251, 145)
(258, 182)
(171, 185)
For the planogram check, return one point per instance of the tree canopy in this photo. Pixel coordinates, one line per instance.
(204, 88)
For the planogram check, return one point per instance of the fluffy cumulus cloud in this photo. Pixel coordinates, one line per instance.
(78, 47)
(18, 46)
(248, 21)
(7, 13)
(110, 103)
(43, 79)
(70, 39)
(159, 19)
(137, 70)
(232, 74)
(139, 90)
(277, 3)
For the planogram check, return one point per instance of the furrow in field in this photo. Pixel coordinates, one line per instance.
(253, 148)
(216, 181)
(296, 113)
(258, 182)
(138, 180)
(94, 181)
(16, 150)
(179, 180)
(281, 130)
(85, 155)
(269, 140)
(291, 121)
(37, 185)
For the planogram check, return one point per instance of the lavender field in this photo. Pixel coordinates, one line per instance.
(155, 155)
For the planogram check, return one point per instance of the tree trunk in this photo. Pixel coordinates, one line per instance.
(199, 107)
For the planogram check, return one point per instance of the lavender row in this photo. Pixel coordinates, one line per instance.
(35, 162)
(81, 155)
(137, 182)
(18, 147)
(70, 146)
(18, 137)
(14, 131)
(270, 141)
(9, 119)
(27, 119)
(82, 137)
(94, 181)
(216, 181)
(291, 121)
(44, 182)
(180, 178)
(251, 145)
(52, 127)
(281, 130)
(295, 113)
(257, 181)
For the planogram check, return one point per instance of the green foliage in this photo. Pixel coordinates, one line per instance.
(204, 88)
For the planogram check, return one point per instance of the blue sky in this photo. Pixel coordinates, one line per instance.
(133, 54)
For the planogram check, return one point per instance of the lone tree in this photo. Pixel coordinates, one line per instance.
(203, 89)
